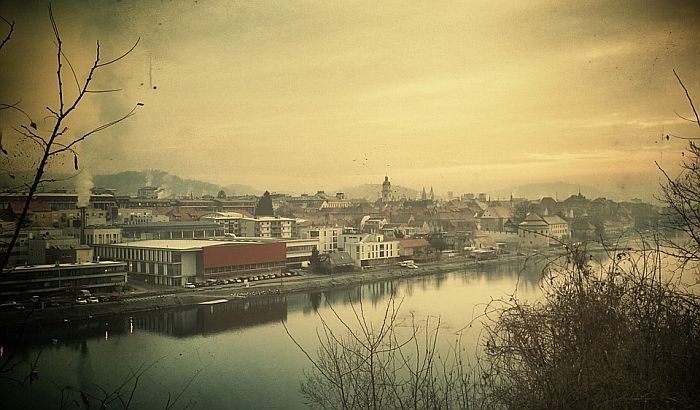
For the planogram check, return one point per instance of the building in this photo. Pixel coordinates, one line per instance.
(335, 262)
(369, 249)
(372, 224)
(58, 200)
(148, 192)
(46, 249)
(494, 219)
(299, 252)
(229, 220)
(327, 237)
(40, 280)
(386, 189)
(98, 235)
(535, 232)
(177, 262)
(173, 230)
(137, 216)
(558, 227)
(79, 217)
(413, 248)
(336, 204)
(267, 227)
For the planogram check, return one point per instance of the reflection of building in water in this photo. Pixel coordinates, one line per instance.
(209, 319)
(373, 292)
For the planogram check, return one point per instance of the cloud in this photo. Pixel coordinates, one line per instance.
(247, 91)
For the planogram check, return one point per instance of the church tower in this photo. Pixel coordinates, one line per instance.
(386, 189)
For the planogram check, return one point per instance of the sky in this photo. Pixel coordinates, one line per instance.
(299, 96)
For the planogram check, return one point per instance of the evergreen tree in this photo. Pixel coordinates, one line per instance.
(264, 206)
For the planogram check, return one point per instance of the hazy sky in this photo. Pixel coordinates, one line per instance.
(296, 96)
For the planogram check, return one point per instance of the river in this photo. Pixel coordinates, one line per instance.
(236, 354)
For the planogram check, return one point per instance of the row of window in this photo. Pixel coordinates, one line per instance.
(63, 284)
(152, 268)
(140, 254)
(185, 234)
(59, 273)
(245, 267)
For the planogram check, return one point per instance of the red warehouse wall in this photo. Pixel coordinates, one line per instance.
(245, 253)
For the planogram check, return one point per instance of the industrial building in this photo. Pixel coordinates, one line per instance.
(103, 276)
(177, 262)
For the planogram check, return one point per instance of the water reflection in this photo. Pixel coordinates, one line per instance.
(239, 334)
(211, 319)
(203, 320)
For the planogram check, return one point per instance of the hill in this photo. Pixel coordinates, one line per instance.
(558, 190)
(128, 183)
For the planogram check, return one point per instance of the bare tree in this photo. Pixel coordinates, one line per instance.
(682, 195)
(389, 364)
(621, 333)
(57, 140)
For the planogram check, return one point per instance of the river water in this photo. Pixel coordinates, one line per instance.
(236, 354)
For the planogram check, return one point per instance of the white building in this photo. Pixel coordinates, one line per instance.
(267, 227)
(100, 235)
(229, 220)
(137, 216)
(336, 204)
(558, 227)
(369, 249)
(327, 236)
(536, 231)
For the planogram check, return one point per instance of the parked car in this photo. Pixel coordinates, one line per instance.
(81, 301)
(93, 299)
(189, 286)
(103, 298)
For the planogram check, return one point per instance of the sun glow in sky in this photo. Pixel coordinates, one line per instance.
(298, 96)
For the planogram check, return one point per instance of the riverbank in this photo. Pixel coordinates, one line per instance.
(169, 298)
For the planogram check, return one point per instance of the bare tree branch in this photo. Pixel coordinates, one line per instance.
(121, 56)
(687, 95)
(9, 34)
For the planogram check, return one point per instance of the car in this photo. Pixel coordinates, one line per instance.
(103, 298)
(93, 299)
(115, 298)
(239, 280)
(189, 286)
(412, 266)
(81, 301)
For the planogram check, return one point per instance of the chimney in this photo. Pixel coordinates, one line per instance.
(82, 225)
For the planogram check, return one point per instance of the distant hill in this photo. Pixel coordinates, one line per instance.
(560, 190)
(372, 192)
(128, 183)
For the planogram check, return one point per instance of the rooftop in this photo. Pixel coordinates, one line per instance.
(178, 244)
(68, 265)
(173, 224)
